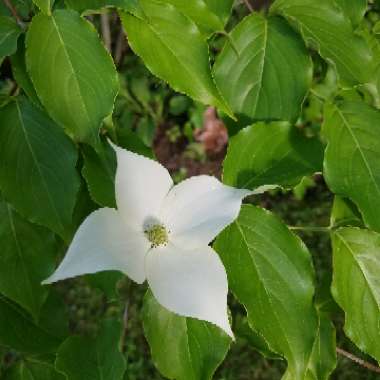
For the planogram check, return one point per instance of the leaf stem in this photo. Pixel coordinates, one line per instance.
(357, 360)
(310, 229)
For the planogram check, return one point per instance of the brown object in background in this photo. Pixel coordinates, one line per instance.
(214, 134)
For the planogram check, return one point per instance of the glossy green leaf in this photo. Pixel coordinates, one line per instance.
(83, 74)
(37, 166)
(44, 5)
(356, 285)
(81, 358)
(182, 348)
(352, 157)
(271, 154)
(20, 73)
(27, 257)
(325, 27)
(264, 70)
(354, 9)
(20, 332)
(9, 33)
(99, 171)
(182, 62)
(33, 370)
(270, 272)
(209, 15)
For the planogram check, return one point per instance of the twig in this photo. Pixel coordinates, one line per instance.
(106, 30)
(357, 360)
(13, 10)
(249, 6)
(310, 229)
(125, 325)
(120, 48)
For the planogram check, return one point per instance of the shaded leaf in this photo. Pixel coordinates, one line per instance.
(33, 370)
(20, 332)
(9, 33)
(20, 74)
(27, 257)
(37, 166)
(81, 358)
(271, 154)
(99, 171)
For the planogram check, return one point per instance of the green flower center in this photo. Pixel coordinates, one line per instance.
(157, 235)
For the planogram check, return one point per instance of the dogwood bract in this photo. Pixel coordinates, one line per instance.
(160, 232)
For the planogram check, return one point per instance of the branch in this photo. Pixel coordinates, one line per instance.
(248, 4)
(120, 48)
(106, 30)
(357, 360)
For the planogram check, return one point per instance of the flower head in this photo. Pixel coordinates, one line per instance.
(160, 232)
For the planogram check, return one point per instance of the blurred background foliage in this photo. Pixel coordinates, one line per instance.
(190, 139)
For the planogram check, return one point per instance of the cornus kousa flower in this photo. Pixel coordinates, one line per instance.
(160, 232)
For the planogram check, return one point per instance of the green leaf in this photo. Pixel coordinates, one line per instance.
(354, 9)
(84, 76)
(99, 171)
(356, 285)
(352, 157)
(264, 70)
(33, 370)
(27, 257)
(324, 27)
(37, 166)
(20, 332)
(323, 357)
(271, 154)
(44, 5)
(182, 62)
(182, 348)
(209, 15)
(81, 358)
(270, 272)
(88, 6)
(9, 33)
(20, 73)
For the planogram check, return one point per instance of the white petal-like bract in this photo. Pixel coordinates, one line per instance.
(198, 209)
(104, 242)
(190, 283)
(141, 184)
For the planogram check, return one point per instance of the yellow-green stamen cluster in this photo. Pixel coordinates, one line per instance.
(157, 235)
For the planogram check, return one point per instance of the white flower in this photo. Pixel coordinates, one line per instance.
(161, 233)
